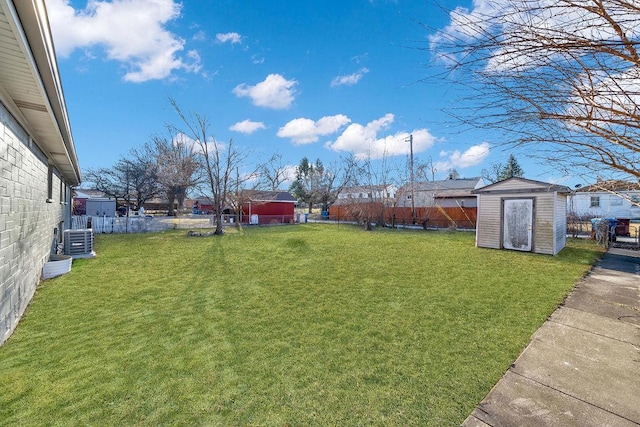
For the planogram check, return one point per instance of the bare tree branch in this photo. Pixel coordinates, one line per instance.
(561, 78)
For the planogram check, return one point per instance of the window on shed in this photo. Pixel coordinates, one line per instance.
(595, 201)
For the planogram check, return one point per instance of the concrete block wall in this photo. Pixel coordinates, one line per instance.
(27, 219)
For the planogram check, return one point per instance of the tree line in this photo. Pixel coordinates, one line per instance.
(188, 160)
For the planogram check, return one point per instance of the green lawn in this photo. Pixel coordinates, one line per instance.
(275, 326)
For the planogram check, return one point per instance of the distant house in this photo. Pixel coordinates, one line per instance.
(447, 203)
(200, 205)
(606, 199)
(37, 156)
(367, 193)
(156, 204)
(267, 207)
(523, 215)
(448, 193)
(82, 195)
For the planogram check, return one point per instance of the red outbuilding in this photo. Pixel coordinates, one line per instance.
(268, 207)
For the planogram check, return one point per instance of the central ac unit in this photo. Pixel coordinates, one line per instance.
(79, 243)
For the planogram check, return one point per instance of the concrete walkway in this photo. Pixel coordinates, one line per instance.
(582, 367)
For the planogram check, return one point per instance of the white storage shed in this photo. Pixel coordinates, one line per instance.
(523, 215)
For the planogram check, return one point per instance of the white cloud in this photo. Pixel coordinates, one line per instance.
(232, 38)
(257, 59)
(349, 80)
(364, 141)
(289, 172)
(475, 155)
(200, 36)
(247, 127)
(130, 31)
(274, 92)
(305, 131)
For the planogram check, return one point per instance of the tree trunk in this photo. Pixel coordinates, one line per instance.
(171, 198)
(219, 231)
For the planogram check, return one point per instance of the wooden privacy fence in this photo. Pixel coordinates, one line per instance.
(436, 216)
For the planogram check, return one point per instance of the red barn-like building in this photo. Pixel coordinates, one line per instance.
(268, 207)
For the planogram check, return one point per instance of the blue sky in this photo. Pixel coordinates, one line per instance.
(320, 79)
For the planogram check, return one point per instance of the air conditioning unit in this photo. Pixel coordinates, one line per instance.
(79, 243)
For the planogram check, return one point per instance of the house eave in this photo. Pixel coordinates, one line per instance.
(30, 85)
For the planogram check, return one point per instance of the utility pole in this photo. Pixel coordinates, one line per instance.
(413, 205)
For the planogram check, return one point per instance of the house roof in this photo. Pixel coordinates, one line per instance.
(269, 196)
(612, 185)
(446, 185)
(30, 86)
(523, 185)
(365, 188)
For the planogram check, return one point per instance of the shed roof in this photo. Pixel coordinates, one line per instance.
(521, 185)
(269, 196)
(30, 85)
(453, 195)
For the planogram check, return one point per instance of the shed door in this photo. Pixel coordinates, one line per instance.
(517, 224)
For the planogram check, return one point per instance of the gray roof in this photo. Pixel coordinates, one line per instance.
(445, 185)
(269, 196)
(610, 186)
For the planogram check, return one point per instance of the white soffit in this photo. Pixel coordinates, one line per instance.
(29, 79)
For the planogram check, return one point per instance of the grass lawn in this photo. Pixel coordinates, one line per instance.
(275, 326)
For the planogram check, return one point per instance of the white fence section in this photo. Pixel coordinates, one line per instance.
(139, 224)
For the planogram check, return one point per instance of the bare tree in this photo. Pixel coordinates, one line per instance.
(333, 179)
(130, 179)
(561, 77)
(498, 171)
(220, 162)
(425, 171)
(492, 173)
(272, 173)
(378, 179)
(178, 166)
